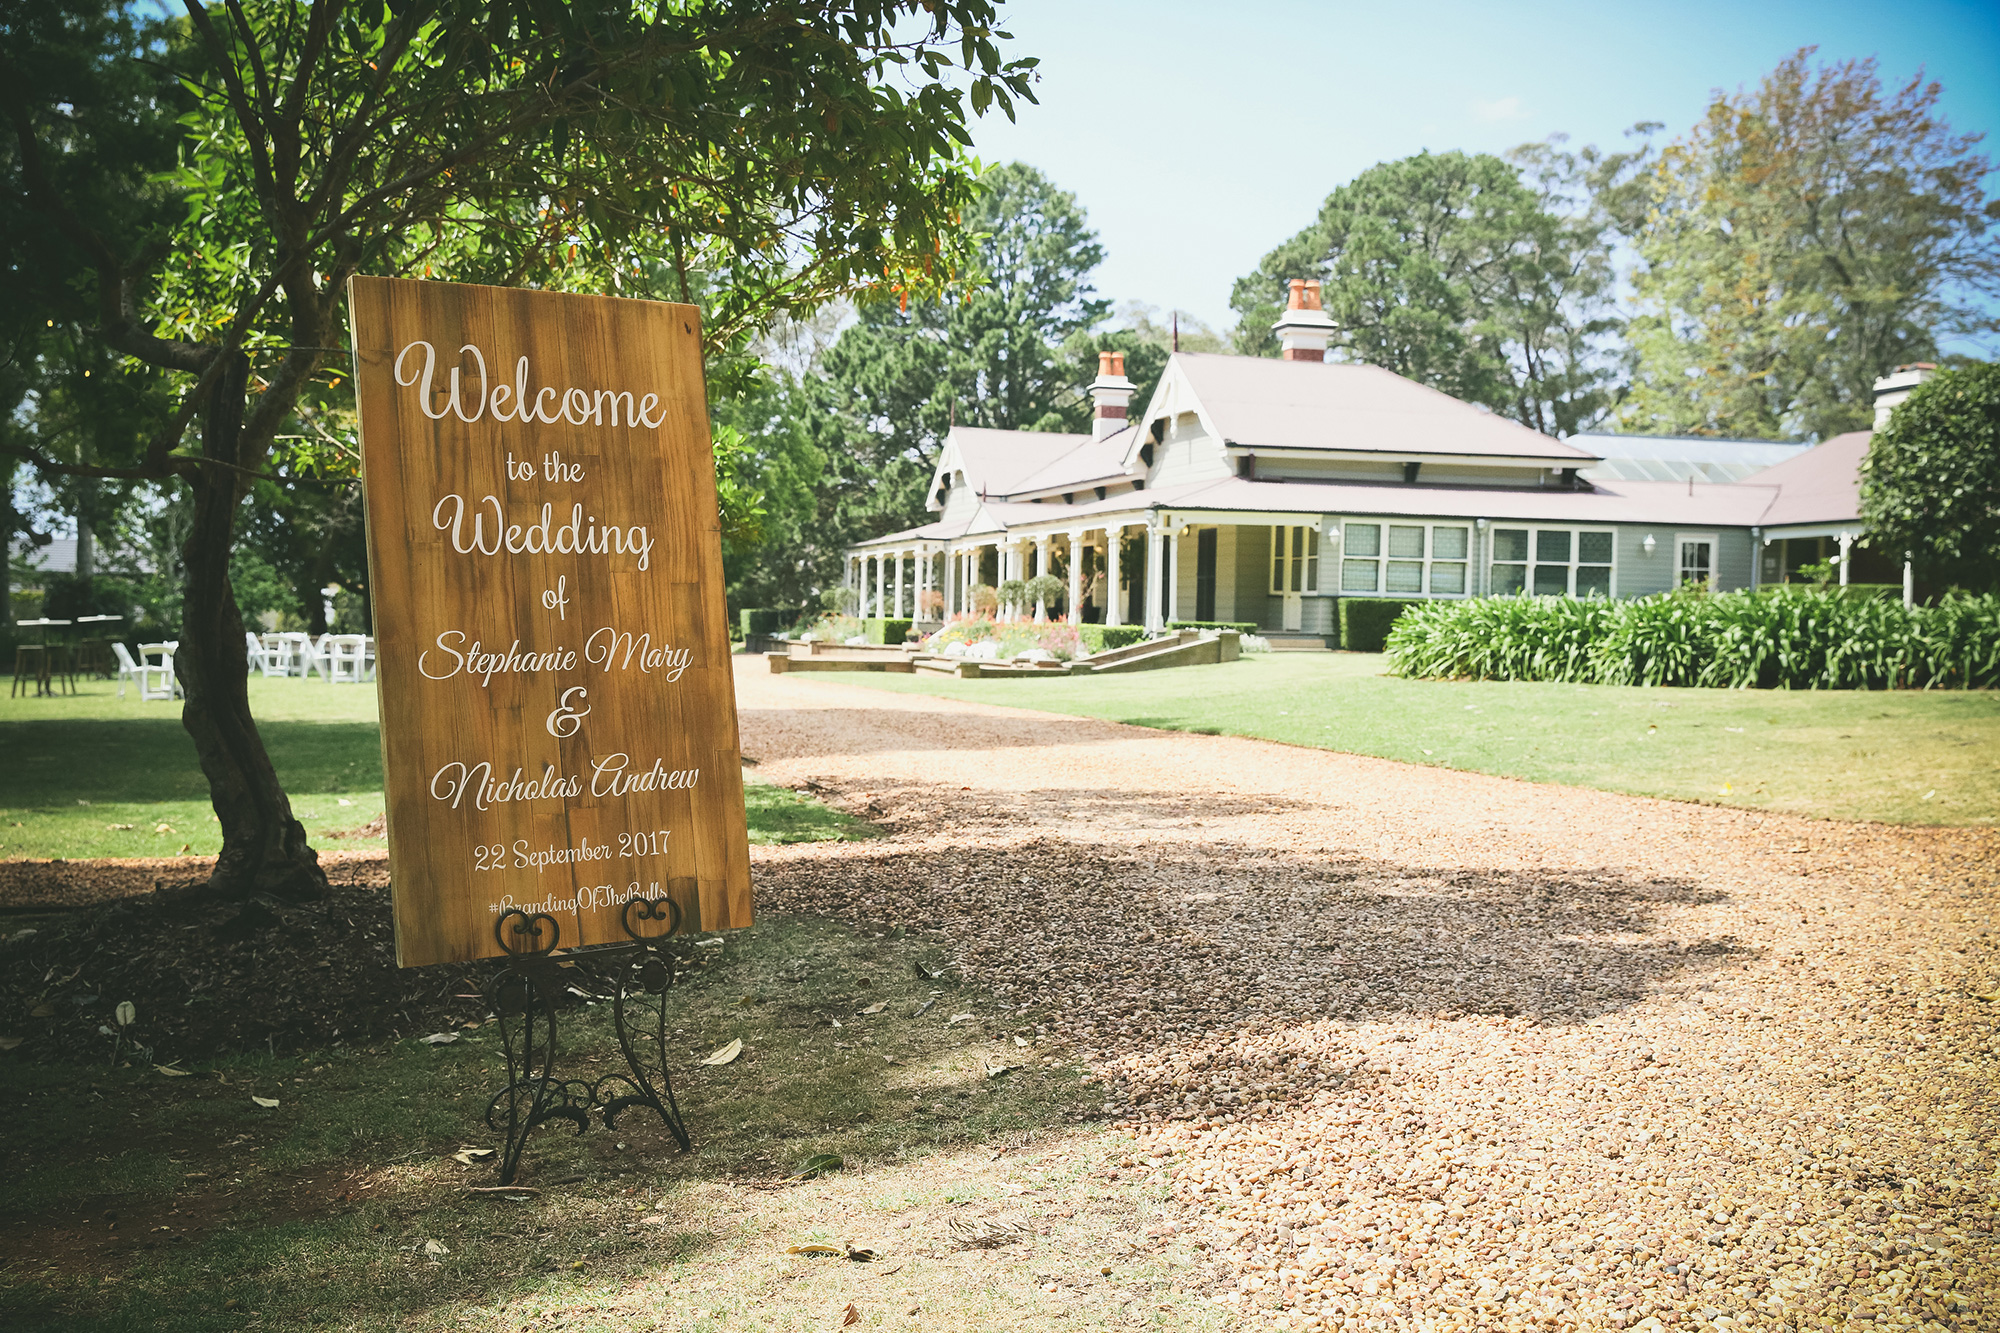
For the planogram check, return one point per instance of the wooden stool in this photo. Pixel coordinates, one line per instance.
(31, 663)
(61, 668)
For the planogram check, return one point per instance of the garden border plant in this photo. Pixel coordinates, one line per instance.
(1782, 638)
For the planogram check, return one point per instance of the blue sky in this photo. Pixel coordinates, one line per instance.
(1198, 135)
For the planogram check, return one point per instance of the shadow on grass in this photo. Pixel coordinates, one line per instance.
(319, 1208)
(322, 1207)
(58, 762)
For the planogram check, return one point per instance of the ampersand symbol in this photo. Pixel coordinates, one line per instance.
(565, 720)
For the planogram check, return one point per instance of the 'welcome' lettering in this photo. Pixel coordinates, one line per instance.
(521, 401)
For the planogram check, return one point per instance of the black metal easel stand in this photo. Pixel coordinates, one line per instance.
(524, 994)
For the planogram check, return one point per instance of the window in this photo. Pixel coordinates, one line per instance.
(1295, 559)
(1408, 560)
(1697, 558)
(1552, 562)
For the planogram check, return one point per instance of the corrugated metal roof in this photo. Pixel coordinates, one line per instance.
(1821, 485)
(997, 461)
(1257, 402)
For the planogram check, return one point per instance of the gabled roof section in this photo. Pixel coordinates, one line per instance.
(1821, 485)
(996, 462)
(1092, 463)
(1256, 402)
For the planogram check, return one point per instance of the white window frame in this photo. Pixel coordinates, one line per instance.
(1381, 559)
(1283, 558)
(1714, 556)
(1534, 531)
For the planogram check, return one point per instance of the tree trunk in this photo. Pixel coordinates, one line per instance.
(264, 849)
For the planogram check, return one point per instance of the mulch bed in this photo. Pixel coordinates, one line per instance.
(208, 977)
(40, 886)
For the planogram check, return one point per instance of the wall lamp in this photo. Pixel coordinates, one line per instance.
(1648, 544)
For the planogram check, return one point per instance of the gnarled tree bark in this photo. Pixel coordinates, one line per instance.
(264, 848)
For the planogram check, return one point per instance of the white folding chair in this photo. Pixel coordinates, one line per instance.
(128, 669)
(170, 685)
(313, 656)
(347, 657)
(273, 656)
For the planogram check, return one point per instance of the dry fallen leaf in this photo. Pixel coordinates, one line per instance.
(958, 1018)
(726, 1054)
(9, 1043)
(833, 1250)
(439, 1039)
(434, 1248)
(266, 1102)
(42, 1011)
(1020, 1041)
(171, 1072)
(853, 1316)
(472, 1156)
(874, 1008)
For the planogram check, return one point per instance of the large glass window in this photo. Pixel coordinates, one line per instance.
(1552, 562)
(1405, 559)
(1295, 559)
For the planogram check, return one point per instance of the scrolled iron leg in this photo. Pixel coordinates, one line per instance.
(522, 996)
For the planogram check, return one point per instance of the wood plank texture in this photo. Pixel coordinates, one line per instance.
(558, 717)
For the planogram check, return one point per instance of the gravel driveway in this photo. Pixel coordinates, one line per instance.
(1425, 1049)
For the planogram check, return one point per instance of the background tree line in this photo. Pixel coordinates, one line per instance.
(1750, 279)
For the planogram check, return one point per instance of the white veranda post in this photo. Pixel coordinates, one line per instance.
(881, 582)
(896, 604)
(1076, 578)
(1154, 539)
(1114, 588)
(1846, 555)
(1041, 568)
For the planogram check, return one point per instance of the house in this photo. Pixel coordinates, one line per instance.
(1255, 490)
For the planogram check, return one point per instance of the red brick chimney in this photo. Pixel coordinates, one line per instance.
(1112, 394)
(1305, 329)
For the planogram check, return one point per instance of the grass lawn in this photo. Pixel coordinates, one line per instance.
(136, 1200)
(1906, 756)
(94, 775)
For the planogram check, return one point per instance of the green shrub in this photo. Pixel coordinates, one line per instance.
(882, 630)
(1047, 589)
(1365, 621)
(763, 619)
(1240, 626)
(837, 628)
(1103, 638)
(1791, 638)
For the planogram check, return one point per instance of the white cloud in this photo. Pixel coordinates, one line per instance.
(1505, 108)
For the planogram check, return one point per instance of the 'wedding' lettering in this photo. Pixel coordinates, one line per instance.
(576, 537)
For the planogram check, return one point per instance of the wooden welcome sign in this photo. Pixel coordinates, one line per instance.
(552, 654)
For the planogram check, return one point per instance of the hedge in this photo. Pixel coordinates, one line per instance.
(886, 631)
(1794, 638)
(1365, 621)
(1240, 626)
(1103, 638)
(764, 619)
